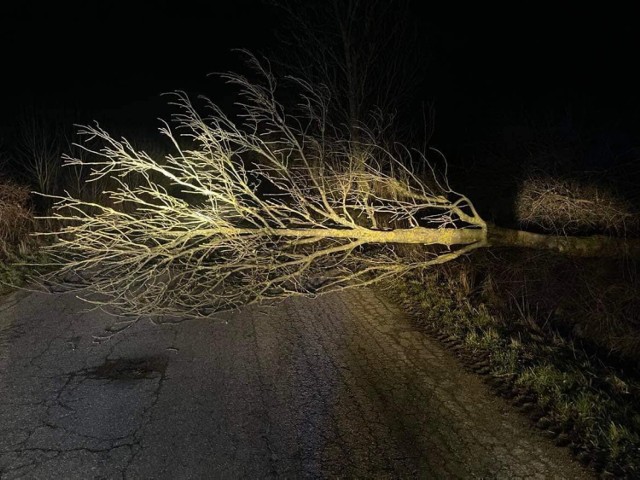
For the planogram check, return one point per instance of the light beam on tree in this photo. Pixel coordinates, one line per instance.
(151, 251)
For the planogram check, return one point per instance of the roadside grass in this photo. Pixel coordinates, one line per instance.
(16, 270)
(577, 392)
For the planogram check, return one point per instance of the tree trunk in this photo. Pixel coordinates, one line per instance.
(592, 246)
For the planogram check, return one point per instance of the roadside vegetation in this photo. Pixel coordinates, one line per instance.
(557, 336)
(17, 247)
(574, 390)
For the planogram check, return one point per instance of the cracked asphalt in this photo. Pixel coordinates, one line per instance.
(340, 386)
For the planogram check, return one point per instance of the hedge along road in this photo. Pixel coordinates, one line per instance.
(342, 385)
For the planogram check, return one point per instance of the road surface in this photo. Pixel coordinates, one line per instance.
(340, 386)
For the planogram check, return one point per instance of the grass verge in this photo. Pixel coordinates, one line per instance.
(572, 395)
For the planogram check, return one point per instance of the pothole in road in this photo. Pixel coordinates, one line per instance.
(129, 368)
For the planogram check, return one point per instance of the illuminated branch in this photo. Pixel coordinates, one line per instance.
(265, 209)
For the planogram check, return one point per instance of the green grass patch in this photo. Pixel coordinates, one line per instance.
(16, 270)
(583, 397)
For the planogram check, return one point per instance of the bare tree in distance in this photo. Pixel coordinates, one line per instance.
(269, 207)
(365, 52)
(39, 145)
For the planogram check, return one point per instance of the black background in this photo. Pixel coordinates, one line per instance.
(486, 69)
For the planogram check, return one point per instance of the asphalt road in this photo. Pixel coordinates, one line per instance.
(340, 386)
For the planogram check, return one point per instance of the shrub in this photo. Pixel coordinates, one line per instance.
(16, 220)
(571, 206)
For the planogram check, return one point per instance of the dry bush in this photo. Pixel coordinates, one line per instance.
(571, 206)
(16, 220)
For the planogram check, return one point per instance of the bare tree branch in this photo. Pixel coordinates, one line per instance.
(268, 208)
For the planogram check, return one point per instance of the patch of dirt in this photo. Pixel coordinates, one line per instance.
(129, 368)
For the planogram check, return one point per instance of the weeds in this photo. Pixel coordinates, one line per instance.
(16, 224)
(569, 206)
(580, 399)
(16, 220)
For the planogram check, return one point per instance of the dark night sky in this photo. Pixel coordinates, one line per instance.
(102, 57)
(486, 67)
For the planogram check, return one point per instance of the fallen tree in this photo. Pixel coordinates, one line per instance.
(271, 207)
